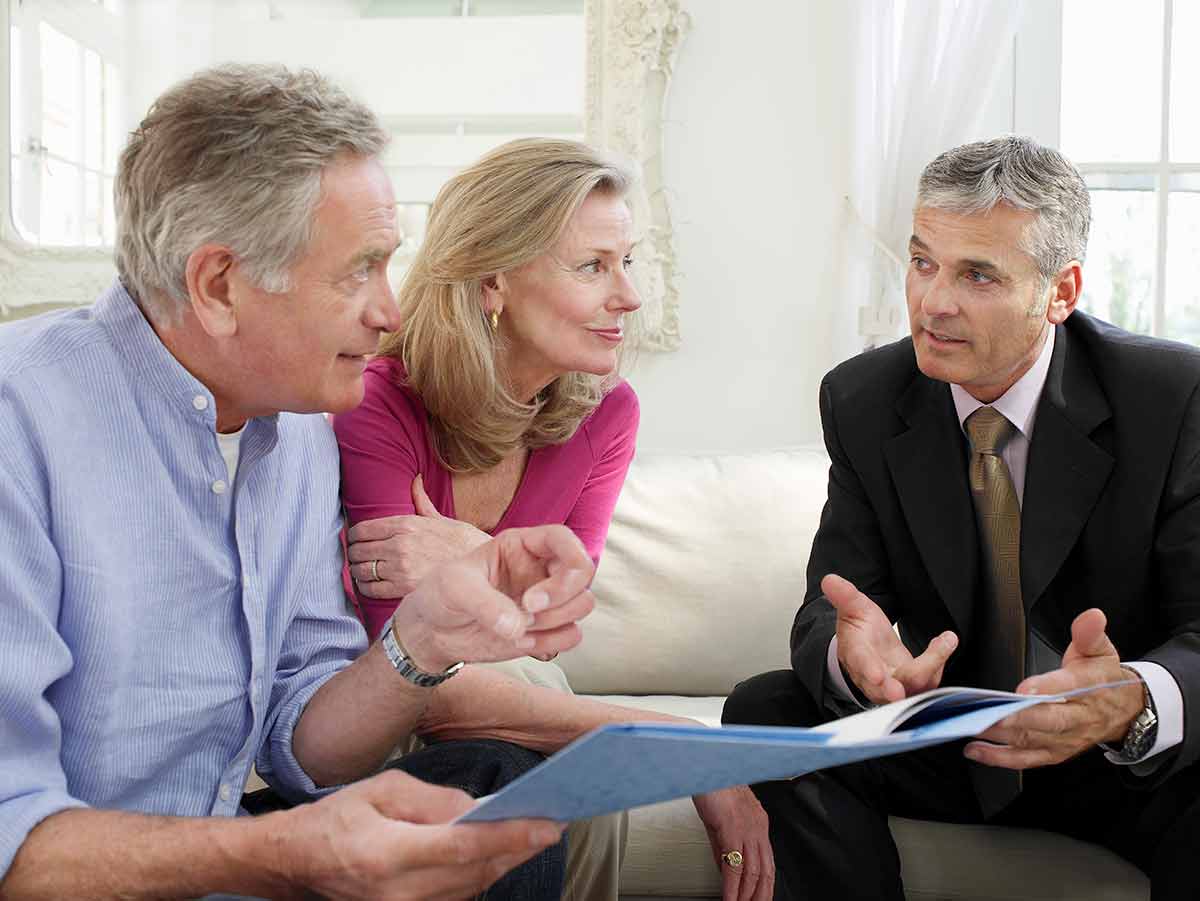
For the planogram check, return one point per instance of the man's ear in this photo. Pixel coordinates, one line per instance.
(210, 282)
(1066, 287)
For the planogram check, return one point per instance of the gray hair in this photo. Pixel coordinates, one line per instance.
(974, 178)
(232, 155)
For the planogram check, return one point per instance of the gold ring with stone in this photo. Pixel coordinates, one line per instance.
(733, 858)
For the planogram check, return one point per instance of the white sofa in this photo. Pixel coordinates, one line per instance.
(704, 568)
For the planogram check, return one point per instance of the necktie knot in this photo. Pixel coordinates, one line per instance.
(988, 430)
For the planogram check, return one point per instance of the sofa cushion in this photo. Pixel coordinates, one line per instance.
(706, 709)
(999, 863)
(702, 573)
(668, 856)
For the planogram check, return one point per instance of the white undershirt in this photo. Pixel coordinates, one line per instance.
(1019, 406)
(231, 446)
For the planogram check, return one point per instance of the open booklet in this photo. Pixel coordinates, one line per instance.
(628, 765)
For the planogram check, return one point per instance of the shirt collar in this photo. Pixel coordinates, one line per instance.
(1019, 403)
(148, 359)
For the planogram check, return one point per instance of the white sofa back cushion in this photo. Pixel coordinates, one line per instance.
(702, 573)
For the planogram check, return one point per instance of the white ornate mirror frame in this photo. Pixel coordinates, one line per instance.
(631, 49)
(632, 45)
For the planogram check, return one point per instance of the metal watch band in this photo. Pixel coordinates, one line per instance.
(1144, 728)
(399, 659)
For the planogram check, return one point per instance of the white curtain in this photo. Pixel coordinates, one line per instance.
(925, 71)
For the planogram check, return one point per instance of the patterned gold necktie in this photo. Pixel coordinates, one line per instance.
(1002, 626)
(1000, 621)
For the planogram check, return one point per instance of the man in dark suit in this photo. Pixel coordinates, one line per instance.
(1016, 488)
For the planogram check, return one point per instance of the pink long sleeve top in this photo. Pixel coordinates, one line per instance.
(386, 441)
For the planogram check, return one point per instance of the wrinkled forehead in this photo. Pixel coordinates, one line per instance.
(999, 237)
(604, 216)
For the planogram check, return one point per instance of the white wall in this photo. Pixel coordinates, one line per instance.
(756, 166)
(757, 150)
(528, 66)
(756, 162)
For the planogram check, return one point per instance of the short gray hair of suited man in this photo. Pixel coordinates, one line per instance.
(976, 177)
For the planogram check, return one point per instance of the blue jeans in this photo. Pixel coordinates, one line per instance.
(480, 767)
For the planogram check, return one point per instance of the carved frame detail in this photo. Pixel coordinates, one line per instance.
(632, 47)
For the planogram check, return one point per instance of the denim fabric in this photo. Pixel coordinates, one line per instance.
(480, 767)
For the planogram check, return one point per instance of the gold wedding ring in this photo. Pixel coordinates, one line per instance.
(733, 858)
(375, 571)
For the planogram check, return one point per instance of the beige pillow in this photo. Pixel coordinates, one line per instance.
(702, 573)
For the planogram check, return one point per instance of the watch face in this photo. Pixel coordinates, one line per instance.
(1141, 735)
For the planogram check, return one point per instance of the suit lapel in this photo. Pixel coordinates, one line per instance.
(1066, 471)
(928, 468)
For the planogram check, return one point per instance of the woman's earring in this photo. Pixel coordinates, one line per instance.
(495, 320)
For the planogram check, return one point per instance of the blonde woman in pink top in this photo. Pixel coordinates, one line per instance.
(496, 405)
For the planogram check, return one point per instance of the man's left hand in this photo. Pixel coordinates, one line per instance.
(735, 821)
(1051, 733)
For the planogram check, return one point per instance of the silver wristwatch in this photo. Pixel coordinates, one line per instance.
(399, 659)
(1143, 730)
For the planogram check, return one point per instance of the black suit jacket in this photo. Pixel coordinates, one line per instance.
(1110, 515)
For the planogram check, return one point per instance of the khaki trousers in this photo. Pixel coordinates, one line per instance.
(595, 847)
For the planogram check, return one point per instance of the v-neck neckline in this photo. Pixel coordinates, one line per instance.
(502, 522)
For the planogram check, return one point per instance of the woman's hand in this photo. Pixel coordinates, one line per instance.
(735, 821)
(390, 556)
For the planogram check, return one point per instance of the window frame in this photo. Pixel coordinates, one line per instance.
(1037, 112)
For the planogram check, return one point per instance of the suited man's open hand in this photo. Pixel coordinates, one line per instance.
(1052, 733)
(872, 654)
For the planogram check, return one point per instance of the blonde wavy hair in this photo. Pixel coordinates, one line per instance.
(500, 213)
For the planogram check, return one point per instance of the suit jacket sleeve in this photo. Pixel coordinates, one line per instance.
(849, 543)
(1177, 548)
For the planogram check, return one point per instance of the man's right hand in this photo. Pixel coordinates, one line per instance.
(389, 837)
(519, 594)
(872, 654)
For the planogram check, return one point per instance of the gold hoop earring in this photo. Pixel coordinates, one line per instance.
(495, 320)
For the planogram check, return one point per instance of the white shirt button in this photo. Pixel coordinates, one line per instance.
(200, 402)
(219, 486)
(225, 793)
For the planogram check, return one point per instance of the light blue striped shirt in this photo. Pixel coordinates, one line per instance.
(161, 630)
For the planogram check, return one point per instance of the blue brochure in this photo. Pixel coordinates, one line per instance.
(631, 764)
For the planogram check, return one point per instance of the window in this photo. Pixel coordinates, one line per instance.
(426, 66)
(1130, 82)
(449, 78)
(64, 120)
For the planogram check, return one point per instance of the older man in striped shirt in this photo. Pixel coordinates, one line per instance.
(169, 577)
